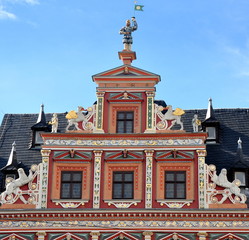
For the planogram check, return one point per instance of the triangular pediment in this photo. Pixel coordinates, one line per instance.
(124, 155)
(121, 235)
(125, 70)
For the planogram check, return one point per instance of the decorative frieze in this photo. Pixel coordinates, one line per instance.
(218, 224)
(97, 175)
(99, 112)
(44, 179)
(148, 186)
(150, 121)
(201, 178)
(125, 142)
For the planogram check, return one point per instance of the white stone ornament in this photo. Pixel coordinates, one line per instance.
(230, 188)
(169, 119)
(79, 117)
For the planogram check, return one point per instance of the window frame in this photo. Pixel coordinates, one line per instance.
(125, 121)
(175, 182)
(71, 182)
(122, 184)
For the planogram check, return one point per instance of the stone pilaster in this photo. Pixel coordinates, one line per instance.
(97, 175)
(147, 235)
(202, 178)
(99, 113)
(202, 235)
(41, 235)
(43, 191)
(95, 235)
(149, 167)
(150, 118)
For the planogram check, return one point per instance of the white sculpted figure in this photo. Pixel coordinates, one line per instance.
(15, 184)
(54, 122)
(233, 187)
(196, 123)
(170, 118)
(76, 117)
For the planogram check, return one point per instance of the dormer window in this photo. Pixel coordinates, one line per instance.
(40, 127)
(38, 138)
(211, 133)
(211, 125)
(241, 176)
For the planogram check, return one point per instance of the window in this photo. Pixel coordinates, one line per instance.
(211, 133)
(241, 176)
(175, 185)
(122, 185)
(71, 185)
(125, 122)
(38, 138)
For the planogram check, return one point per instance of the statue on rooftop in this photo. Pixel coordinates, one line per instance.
(126, 31)
(54, 122)
(196, 123)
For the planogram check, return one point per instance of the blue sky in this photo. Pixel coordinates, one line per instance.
(50, 49)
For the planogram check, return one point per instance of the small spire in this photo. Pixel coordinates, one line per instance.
(41, 118)
(240, 143)
(12, 158)
(210, 110)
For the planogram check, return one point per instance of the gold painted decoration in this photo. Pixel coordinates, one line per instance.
(178, 112)
(71, 115)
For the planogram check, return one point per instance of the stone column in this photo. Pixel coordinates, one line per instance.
(149, 165)
(202, 235)
(96, 180)
(41, 235)
(150, 118)
(99, 113)
(95, 235)
(43, 191)
(202, 178)
(147, 235)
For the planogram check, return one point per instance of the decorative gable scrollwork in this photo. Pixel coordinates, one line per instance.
(166, 120)
(83, 119)
(15, 188)
(225, 190)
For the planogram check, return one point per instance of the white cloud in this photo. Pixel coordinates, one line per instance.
(238, 59)
(6, 15)
(31, 2)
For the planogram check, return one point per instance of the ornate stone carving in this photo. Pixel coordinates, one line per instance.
(168, 119)
(81, 119)
(126, 142)
(122, 204)
(149, 162)
(231, 190)
(13, 190)
(70, 204)
(97, 174)
(174, 204)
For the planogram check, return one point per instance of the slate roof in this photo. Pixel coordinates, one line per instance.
(234, 124)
